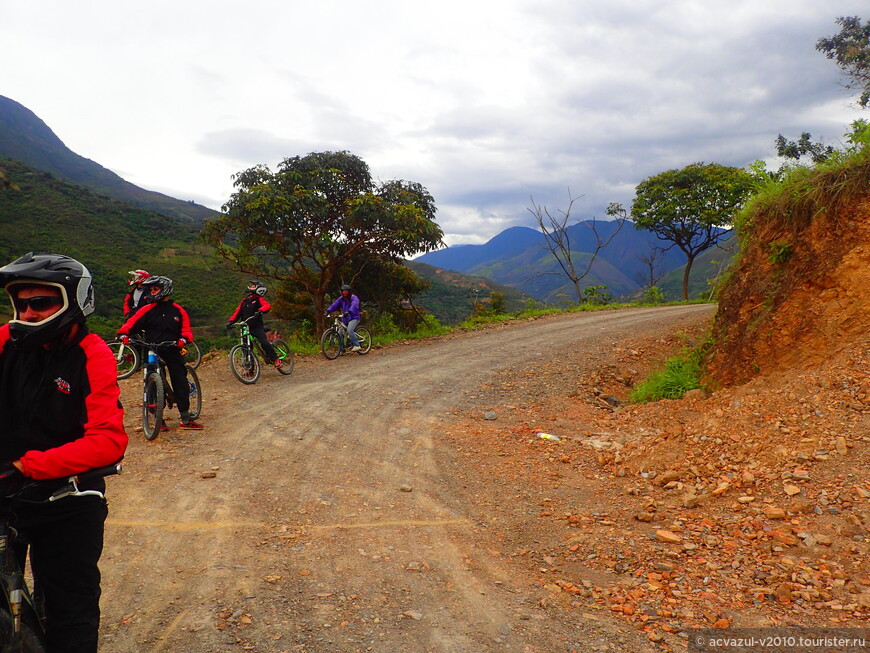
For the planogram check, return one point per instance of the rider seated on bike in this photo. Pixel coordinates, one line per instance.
(349, 305)
(62, 415)
(137, 296)
(160, 321)
(252, 308)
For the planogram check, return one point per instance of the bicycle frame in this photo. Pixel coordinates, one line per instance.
(156, 396)
(341, 327)
(245, 340)
(13, 584)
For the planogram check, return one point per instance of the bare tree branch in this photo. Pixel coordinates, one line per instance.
(558, 240)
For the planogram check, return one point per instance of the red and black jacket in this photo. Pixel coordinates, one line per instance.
(60, 407)
(248, 306)
(159, 322)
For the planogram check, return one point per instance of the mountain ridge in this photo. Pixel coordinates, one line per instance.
(519, 257)
(24, 137)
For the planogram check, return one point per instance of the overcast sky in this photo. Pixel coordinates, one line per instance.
(485, 102)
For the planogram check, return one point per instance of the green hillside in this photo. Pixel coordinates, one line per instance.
(451, 296)
(112, 237)
(24, 137)
(540, 275)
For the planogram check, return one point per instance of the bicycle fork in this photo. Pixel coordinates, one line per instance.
(12, 581)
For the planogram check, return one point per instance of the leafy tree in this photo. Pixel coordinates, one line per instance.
(794, 150)
(496, 303)
(690, 207)
(557, 238)
(386, 287)
(850, 49)
(304, 224)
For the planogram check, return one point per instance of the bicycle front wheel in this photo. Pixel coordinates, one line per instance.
(152, 405)
(32, 640)
(244, 364)
(365, 340)
(193, 355)
(126, 358)
(330, 344)
(282, 351)
(195, 392)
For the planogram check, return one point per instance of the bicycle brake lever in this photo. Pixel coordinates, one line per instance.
(71, 489)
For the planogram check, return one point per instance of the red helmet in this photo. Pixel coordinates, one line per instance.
(137, 276)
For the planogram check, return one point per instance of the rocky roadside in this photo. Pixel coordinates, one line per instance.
(750, 507)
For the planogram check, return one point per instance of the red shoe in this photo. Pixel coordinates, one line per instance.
(163, 426)
(192, 425)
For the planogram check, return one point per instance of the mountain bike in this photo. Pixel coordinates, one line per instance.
(334, 341)
(128, 358)
(157, 393)
(21, 620)
(243, 356)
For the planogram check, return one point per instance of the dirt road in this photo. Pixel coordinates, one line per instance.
(316, 512)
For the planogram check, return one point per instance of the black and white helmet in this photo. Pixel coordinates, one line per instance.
(70, 277)
(164, 283)
(256, 288)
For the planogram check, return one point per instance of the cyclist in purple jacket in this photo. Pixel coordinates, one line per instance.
(349, 305)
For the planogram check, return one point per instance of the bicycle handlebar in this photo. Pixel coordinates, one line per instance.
(71, 489)
(154, 345)
(237, 324)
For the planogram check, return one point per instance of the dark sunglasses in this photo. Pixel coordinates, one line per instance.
(36, 303)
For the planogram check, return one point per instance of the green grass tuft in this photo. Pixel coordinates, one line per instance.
(681, 374)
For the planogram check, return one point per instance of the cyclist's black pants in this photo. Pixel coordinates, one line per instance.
(259, 332)
(177, 378)
(66, 540)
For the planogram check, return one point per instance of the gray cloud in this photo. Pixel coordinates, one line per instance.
(484, 103)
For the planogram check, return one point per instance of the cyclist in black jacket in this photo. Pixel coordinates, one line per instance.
(61, 415)
(163, 320)
(253, 306)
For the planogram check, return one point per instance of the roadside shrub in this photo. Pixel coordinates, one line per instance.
(779, 251)
(681, 374)
(496, 303)
(653, 295)
(596, 295)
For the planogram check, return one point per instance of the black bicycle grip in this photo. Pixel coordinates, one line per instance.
(99, 472)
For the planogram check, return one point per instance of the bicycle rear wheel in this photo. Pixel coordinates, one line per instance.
(193, 355)
(244, 364)
(152, 405)
(285, 355)
(195, 392)
(126, 358)
(365, 340)
(330, 344)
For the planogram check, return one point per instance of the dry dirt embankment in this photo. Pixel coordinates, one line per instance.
(330, 511)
